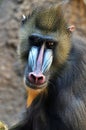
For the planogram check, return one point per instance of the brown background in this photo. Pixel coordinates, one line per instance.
(11, 80)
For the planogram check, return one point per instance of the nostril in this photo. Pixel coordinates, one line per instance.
(33, 77)
(40, 78)
(36, 78)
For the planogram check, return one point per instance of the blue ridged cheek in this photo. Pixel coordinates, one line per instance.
(48, 58)
(33, 57)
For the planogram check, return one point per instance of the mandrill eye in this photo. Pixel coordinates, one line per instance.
(50, 45)
(35, 41)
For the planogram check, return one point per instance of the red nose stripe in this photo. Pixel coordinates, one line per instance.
(40, 60)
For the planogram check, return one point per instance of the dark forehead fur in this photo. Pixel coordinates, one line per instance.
(50, 18)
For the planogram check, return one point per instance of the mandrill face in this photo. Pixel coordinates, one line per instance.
(40, 60)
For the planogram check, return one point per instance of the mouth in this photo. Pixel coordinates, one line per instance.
(34, 85)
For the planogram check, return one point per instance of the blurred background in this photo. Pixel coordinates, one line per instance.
(12, 90)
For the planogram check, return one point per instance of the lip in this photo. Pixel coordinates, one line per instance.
(34, 86)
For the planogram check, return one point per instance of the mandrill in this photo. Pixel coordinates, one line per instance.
(55, 72)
